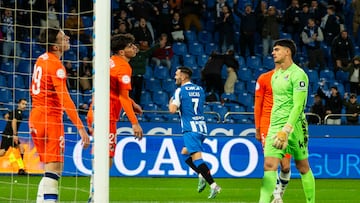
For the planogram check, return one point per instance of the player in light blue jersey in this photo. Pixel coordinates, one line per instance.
(189, 99)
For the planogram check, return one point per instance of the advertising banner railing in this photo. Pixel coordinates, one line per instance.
(230, 150)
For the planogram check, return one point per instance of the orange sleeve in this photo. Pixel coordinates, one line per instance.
(259, 99)
(127, 104)
(59, 81)
(90, 116)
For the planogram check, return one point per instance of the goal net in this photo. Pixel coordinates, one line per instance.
(20, 26)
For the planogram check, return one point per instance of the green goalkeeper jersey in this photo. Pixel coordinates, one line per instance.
(290, 89)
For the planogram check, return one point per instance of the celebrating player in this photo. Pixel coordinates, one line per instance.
(10, 136)
(189, 99)
(262, 111)
(123, 50)
(50, 97)
(288, 132)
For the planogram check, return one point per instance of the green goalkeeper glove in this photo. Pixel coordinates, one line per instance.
(281, 138)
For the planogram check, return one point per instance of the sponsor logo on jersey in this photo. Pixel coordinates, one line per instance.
(126, 79)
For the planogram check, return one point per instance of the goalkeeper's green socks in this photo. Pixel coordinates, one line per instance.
(268, 186)
(308, 182)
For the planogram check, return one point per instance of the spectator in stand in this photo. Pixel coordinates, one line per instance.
(226, 29)
(164, 17)
(163, 54)
(304, 16)
(317, 108)
(175, 5)
(142, 34)
(192, 11)
(247, 29)
(351, 107)
(270, 29)
(138, 65)
(317, 11)
(211, 73)
(342, 50)
(219, 17)
(71, 75)
(356, 19)
(11, 45)
(144, 9)
(49, 13)
(354, 74)
(74, 27)
(177, 28)
(232, 68)
(331, 25)
(292, 20)
(85, 72)
(121, 29)
(312, 37)
(333, 103)
(122, 17)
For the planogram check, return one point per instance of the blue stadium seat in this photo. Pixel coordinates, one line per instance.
(284, 35)
(160, 98)
(250, 85)
(3, 81)
(224, 72)
(24, 66)
(241, 60)
(196, 74)
(327, 74)
(240, 87)
(202, 59)
(172, 117)
(87, 20)
(76, 97)
(145, 98)
(220, 109)
(210, 47)
(246, 99)
(161, 72)
(245, 74)
(205, 37)
(6, 95)
(342, 76)
(148, 72)
(189, 60)
(175, 61)
(87, 96)
(169, 86)
(179, 48)
(196, 48)
(259, 71)
(70, 55)
(210, 25)
(22, 93)
(253, 62)
(268, 62)
(8, 67)
(312, 75)
(228, 96)
(16, 81)
(152, 85)
(190, 36)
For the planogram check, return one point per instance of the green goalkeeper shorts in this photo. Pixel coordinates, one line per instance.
(297, 143)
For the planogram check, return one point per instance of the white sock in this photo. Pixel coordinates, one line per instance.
(50, 187)
(284, 180)
(91, 192)
(40, 193)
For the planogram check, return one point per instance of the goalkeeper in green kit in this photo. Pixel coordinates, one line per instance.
(288, 131)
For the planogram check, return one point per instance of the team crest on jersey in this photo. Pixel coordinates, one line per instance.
(286, 77)
(60, 73)
(126, 79)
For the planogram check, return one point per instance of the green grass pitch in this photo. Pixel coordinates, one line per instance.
(130, 189)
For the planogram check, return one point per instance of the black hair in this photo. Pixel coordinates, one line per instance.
(120, 41)
(21, 99)
(185, 70)
(48, 37)
(287, 43)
